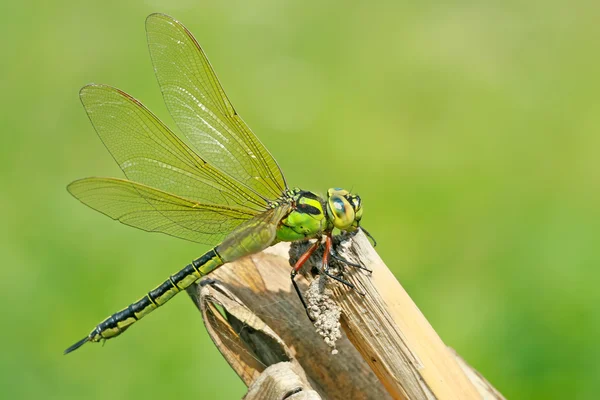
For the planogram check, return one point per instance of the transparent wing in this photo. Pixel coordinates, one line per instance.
(149, 153)
(253, 235)
(202, 111)
(153, 210)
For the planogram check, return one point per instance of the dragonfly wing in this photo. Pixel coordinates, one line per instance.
(149, 153)
(253, 235)
(153, 210)
(203, 112)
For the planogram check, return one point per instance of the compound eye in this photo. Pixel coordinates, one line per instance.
(341, 212)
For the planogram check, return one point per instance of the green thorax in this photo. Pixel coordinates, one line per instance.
(306, 220)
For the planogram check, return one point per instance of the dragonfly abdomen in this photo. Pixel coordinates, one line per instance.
(118, 322)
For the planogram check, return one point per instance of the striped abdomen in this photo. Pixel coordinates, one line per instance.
(118, 322)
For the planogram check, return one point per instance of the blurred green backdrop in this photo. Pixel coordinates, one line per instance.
(470, 131)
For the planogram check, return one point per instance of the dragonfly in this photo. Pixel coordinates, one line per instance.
(221, 186)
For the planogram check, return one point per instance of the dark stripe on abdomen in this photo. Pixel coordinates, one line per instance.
(206, 257)
(141, 304)
(123, 319)
(108, 323)
(124, 315)
(185, 272)
(160, 290)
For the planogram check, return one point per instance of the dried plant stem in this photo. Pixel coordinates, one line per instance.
(389, 350)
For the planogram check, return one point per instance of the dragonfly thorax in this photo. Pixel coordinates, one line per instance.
(306, 220)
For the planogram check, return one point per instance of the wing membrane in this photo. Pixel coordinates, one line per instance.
(203, 112)
(253, 235)
(153, 210)
(149, 153)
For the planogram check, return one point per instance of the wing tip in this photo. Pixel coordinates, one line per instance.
(73, 186)
(91, 87)
(160, 16)
(84, 89)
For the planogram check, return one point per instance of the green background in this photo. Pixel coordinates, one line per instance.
(469, 129)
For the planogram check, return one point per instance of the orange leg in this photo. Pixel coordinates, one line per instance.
(301, 261)
(327, 251)
(304, 257)
(324, 269)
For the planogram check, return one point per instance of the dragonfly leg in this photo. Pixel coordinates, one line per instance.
(325, 269)
(207, 281)
(336, 256)
(369, 236)
(301, 261)
(344, 282)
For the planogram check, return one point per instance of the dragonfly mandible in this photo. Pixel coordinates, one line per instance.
(225, 187)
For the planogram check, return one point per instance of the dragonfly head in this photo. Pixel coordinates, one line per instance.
(344, 209)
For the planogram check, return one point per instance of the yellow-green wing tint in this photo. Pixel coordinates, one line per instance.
(203, 112)
(149, 153)
(153, 210)
(253, 235)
